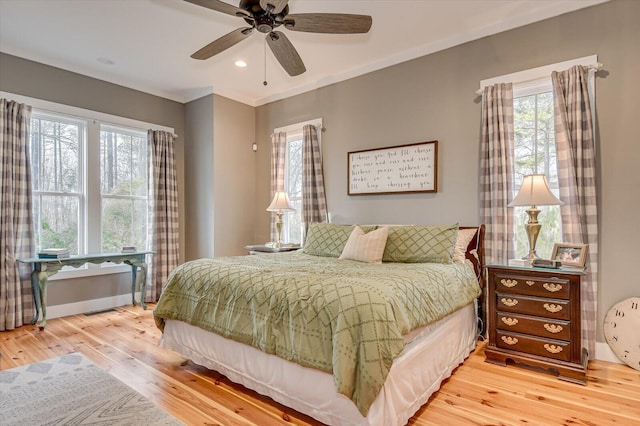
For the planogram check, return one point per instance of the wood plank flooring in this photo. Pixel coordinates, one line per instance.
(124, 342)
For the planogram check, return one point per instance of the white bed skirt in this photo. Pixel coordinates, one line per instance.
(429, 357)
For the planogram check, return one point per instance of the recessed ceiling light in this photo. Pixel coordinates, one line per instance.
(240, 64)
(105, 61)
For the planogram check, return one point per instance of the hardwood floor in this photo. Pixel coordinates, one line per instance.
(124, 342)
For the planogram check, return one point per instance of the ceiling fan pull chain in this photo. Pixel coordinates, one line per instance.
(265, 63)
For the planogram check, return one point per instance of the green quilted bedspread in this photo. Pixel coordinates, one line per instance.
(339, 316)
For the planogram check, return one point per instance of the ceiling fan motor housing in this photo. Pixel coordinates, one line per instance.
(263, 20)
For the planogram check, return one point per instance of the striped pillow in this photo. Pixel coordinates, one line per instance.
(366, 247)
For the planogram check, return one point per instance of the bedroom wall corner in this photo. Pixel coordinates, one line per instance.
(199, 178)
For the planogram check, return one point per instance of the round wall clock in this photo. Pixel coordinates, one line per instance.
(621, 325)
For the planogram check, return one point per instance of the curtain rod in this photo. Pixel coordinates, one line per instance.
(596, 67)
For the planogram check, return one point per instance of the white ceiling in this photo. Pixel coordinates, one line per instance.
(146, 44)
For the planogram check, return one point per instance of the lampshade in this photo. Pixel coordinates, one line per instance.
(535, 192)
(280, 203)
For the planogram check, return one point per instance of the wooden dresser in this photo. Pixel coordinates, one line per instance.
(534, 319)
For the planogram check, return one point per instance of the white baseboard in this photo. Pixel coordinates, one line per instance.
(604, 353)
(85, 306)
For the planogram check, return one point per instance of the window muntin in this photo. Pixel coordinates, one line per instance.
(57, 151)
(535, 152)
(123, 188)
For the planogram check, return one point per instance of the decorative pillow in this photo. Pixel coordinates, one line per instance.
(462, 242)
(420, 244)
(328, 239)
(365, 247)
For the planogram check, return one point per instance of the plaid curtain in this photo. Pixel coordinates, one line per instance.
(314, 202)
(164, 212)
(278, 153)
(575, 146)
(496, 172)
(16, 216)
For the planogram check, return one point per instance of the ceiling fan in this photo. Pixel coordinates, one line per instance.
(267, 15)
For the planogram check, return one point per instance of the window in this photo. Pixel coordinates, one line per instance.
(123, 183)
(89, 180)
(534, 145)
(535, 152)
(293, 227)
(57, 153)
(62, 186)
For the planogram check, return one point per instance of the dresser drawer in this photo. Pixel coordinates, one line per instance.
(556, 349)
(542, 327)
(527, 305)
(557, 288)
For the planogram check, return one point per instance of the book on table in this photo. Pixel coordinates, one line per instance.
(54, 253)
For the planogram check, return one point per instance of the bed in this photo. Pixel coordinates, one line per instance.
(344, 341)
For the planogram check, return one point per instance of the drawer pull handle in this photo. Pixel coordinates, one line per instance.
(554, 349)
(511, 340)
(553, 308)
(509, 283)
(553, 328)
(509, 302)
(552, 287)
(509, 321)
(530, 283)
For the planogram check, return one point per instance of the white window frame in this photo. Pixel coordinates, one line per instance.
(91, 161)
(133, 133)
(294, 132)
(82, 188)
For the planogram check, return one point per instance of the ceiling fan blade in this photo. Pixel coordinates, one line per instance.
(328, 23)
(276, 5)
(221, 6)
(223, 43)
(285, 53)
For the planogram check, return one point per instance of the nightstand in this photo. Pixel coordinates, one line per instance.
(534, 319)
(261, 249)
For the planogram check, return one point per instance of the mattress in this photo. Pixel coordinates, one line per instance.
(430, 355)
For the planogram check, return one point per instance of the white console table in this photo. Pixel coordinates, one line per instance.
(42, 269)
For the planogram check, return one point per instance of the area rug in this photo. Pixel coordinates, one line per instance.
(71, 390)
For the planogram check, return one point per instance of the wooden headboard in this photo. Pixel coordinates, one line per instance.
(475, 252)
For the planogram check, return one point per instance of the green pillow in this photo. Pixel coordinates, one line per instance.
(328, 239)
(421, 244)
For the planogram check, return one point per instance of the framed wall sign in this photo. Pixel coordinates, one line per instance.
(403, 168)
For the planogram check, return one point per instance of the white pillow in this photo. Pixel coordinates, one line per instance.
(462, 242)
(366, 247)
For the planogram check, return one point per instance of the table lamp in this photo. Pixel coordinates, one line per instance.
(534, 192)
(279, 205)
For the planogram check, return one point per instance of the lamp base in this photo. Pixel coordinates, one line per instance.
(279, 223)
(533, 230)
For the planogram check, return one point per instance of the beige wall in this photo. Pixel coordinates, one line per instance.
(433, 98)
(234, 176)
(27, 78)
(220, 175)
(199, 178)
